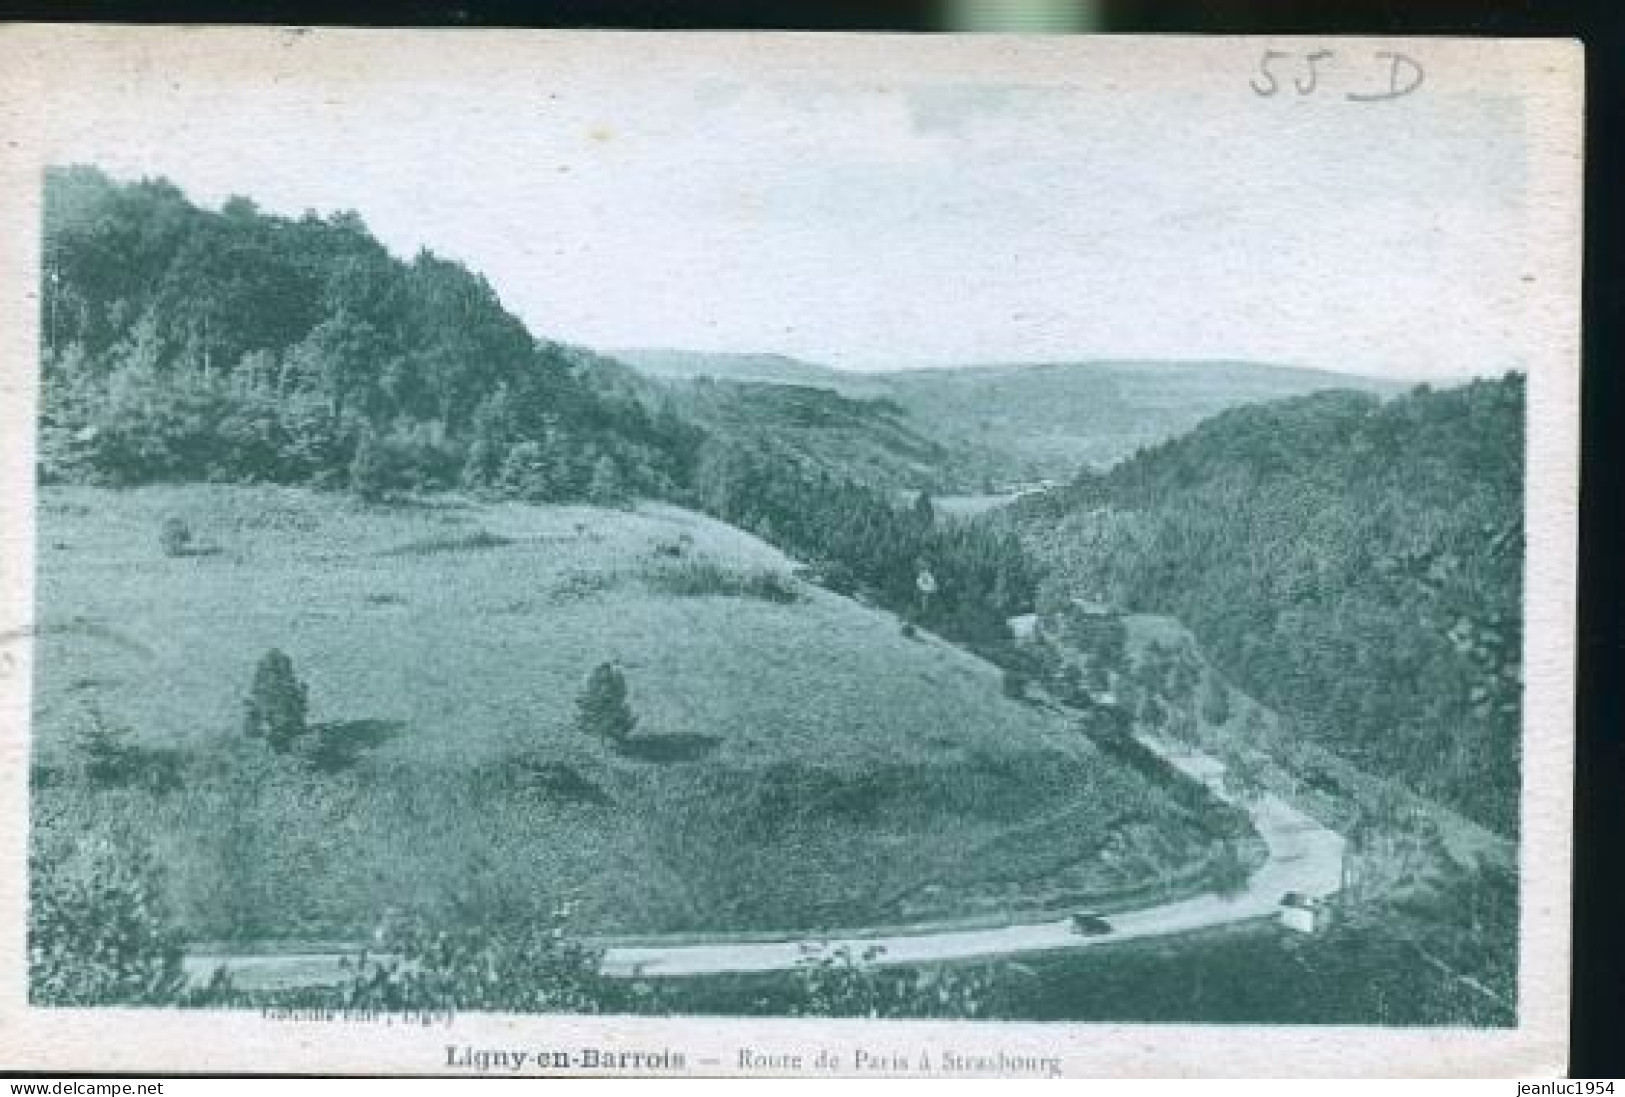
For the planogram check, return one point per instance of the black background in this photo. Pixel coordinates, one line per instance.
(1599, 969)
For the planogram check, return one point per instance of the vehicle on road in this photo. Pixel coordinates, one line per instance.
(1090, 925)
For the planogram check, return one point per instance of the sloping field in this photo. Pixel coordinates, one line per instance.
(797, 759)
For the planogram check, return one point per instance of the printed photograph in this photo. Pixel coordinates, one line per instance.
(615, 539)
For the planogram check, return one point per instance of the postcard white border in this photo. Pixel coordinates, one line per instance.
(1545, 75)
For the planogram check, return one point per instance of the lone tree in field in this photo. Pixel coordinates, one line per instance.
(277, 702)
(602, 710)
(174, 536)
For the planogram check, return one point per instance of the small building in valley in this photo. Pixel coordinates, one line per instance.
(1305, 913)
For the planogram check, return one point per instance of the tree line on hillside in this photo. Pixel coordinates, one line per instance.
(962, 579)
(1354, 564)
(184, 344)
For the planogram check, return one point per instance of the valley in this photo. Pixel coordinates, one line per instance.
(661, 682)
(1019, 423)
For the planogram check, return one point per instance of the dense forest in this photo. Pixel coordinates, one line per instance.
(859, 542)
(181, 344)
(1354, 564)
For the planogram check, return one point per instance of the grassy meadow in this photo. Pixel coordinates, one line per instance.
(799, 763)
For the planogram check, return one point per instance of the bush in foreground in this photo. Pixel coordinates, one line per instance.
(530, 968)
(98, 933)
(839, 984)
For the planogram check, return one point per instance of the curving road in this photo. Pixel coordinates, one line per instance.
(1303, 856)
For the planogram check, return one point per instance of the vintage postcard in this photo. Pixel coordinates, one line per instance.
(575, 553)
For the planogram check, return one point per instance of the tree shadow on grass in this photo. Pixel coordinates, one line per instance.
(340, 744)
(668, 748)
(560, 780)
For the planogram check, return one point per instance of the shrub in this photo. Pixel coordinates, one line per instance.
(909, 631)
(770, 586)
(839, 984)
(701, 578)
(97, 932)
(512, 966)
(524, 968)
(582, 584)
(111, 759)
(1066, 684)
(277, 703)
(602, 709)
(174, 536)
(836, 577)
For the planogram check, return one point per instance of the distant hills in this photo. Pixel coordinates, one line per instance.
(867, 439)
(185, 343)
(1029, 421)
(775, 369)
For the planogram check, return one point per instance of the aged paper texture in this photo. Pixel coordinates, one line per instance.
(562, 553)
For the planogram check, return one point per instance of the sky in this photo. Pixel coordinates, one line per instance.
(921, 220)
